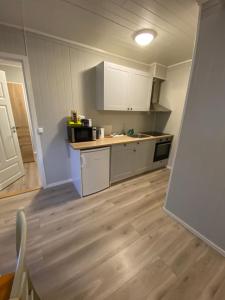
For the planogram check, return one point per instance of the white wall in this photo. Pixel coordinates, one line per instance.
(172, 96)
(63, 78)
(197, 191)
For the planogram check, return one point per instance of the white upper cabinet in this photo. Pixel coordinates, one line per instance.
(139, 91)
(122, 88)
(115, 87)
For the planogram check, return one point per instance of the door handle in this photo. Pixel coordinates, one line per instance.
(13, 128)
(82, 161)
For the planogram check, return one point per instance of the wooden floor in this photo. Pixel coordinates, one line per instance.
(117, 244)
(29, 182)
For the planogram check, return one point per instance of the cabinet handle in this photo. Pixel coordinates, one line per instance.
(128, 108)
(131, 108)
(134, 150)
(82, 161)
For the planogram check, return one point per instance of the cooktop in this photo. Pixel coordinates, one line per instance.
(154, 133)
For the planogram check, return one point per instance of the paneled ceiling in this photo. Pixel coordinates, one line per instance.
(110, 24)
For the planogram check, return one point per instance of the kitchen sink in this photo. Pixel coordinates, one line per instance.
(139, 135)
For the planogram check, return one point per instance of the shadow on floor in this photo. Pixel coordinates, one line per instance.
(53, 197)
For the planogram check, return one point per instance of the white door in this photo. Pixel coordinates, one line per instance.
(115, 88)
(11, 164)
(140, 91)
(95, 166)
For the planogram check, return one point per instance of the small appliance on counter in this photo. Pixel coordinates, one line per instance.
(79, 133)
(100, 133)
(86, 122)
(94, 133)
(78, 128)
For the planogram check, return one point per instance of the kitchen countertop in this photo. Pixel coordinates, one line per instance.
(108, 141)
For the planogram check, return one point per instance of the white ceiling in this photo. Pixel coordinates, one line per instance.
(110, 24)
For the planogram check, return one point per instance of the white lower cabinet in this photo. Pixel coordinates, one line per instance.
(121, 162)
(143, 158)
(131, 159)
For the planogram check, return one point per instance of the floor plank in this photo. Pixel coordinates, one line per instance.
(29, 182)
(116, 244)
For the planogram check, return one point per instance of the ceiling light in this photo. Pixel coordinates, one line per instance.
(144, 37)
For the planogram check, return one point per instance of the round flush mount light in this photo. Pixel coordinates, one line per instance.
(144, 37)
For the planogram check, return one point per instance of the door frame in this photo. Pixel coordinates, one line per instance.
(31, 110)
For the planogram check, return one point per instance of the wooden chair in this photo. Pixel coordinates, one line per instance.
(22, 288)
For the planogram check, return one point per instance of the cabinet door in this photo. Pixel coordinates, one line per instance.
(144, 152)
(121, 162)
(115, 88)
(95, 170)
(139, 91)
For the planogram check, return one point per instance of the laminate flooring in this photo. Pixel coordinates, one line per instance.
(116, 244)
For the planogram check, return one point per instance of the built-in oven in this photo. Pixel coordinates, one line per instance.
(162, 149)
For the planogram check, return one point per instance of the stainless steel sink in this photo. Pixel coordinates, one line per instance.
(139, 135)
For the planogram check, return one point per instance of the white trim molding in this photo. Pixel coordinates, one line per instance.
(195, 232)
(13, 64)
(50, 185)
(180, 63)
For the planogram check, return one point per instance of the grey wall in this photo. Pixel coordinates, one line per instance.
(63, 78)
(197, 191)
(172, 96)
(12, 40)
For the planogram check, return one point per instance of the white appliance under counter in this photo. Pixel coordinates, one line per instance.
(90, 170)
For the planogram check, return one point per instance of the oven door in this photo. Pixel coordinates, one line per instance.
(162, 150)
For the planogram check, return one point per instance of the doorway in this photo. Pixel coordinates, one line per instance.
(18, 169)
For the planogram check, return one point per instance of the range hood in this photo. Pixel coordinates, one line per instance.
(156, 87)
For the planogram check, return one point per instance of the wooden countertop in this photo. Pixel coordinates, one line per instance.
(108, 141)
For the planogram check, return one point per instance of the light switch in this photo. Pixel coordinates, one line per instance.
(40, 130)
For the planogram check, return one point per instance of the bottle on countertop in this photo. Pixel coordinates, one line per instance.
(94, 133)
(101, 132)
(74, 117)
(97, 133)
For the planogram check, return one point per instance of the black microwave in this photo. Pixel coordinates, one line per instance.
(79, 134)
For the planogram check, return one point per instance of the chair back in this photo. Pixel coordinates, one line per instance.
(21, 288)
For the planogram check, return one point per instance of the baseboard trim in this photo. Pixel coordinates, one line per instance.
(195, 232)
(57, 183)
